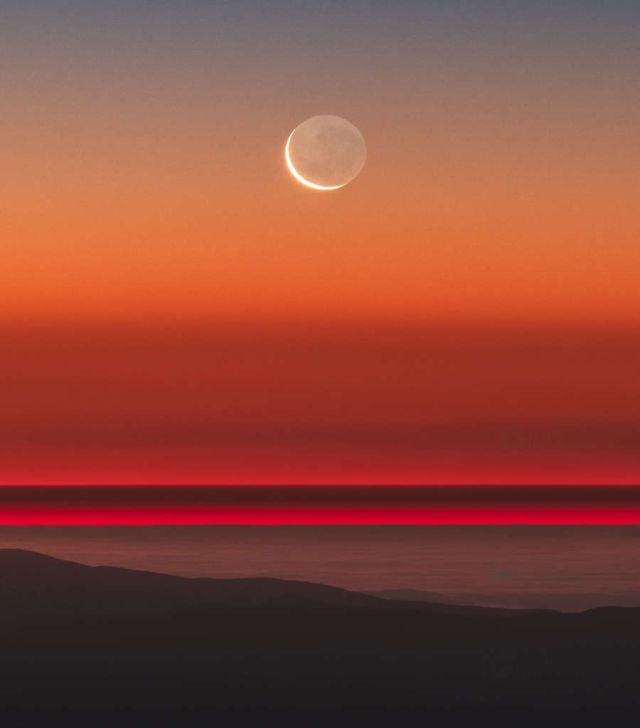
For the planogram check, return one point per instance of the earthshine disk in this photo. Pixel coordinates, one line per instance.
(325, 152)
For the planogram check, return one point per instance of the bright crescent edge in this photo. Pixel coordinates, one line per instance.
(297, 175)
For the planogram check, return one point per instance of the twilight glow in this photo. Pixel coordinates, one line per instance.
(175, 311)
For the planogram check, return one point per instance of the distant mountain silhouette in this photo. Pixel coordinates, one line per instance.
(438, 603)
(86, 644)
(509, 601)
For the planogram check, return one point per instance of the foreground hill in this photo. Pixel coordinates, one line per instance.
(113, 646)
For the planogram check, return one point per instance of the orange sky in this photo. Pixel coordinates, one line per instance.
(171, 295)
(132, 229)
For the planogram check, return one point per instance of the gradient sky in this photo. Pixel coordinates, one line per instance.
(174, 308)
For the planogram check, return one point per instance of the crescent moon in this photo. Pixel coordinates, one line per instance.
(297, 175)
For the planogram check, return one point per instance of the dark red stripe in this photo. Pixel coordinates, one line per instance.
(318, 504)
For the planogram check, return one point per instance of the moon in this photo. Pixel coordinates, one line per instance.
(325, 152)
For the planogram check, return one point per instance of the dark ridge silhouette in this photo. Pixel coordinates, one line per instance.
(109, 646)
(439, 603)
(510, 602)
